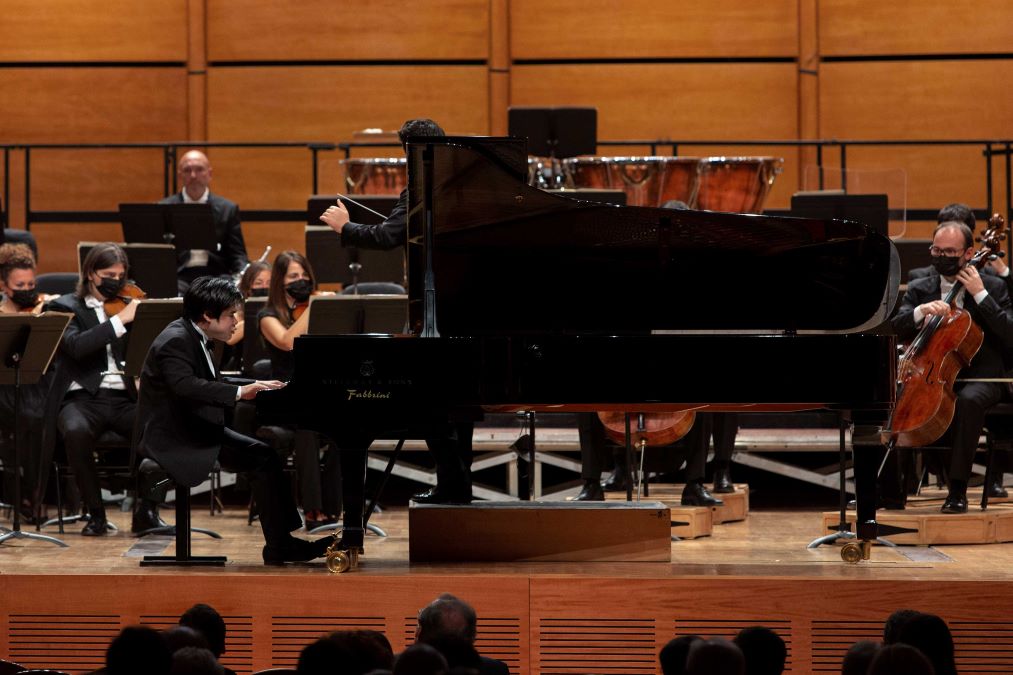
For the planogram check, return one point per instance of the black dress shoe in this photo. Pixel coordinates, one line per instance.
(97, 526)
(616, 482)
(955, 503)
(591, 492)
(723, 481)
(146, 518)
(695, 494)
(296, 550)
(438, 495)
(997, 491)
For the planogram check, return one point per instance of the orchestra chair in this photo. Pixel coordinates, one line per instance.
(9, 668)
(57, 283)
(109, 449)
(182, 529)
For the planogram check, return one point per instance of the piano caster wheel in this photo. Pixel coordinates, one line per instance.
(342, 560)
(856, 551)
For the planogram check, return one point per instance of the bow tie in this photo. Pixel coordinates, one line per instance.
(209, 344)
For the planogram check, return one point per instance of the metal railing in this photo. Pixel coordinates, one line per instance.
(990, 149)
(170, 151)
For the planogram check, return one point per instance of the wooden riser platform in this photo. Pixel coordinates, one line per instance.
(992, 526)
(699, 521)
(540, 531)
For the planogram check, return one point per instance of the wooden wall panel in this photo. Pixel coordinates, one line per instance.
(92, 105)
(330, 103)
(915, 100)
(710, 101)
(112, 30)
(262, 30)
(868, 27)
(595, 29)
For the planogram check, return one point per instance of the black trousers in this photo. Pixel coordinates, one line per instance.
(81, 421)
(271, 488)
(452, 452)
(319, 485)
(973, 400)
(595, 457)
(726, 428)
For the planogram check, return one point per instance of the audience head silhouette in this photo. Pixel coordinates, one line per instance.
(930, 635)
(209, 623)
(447, 614)
(195, 661)
(859, 658)
(900, 659)
(673, 655)
(138, 649)
(420, 659)
(894, 622)
(716, 656)
(763, 650)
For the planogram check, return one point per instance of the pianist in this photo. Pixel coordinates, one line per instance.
(986, 298)
(451, 452)
(181, 412)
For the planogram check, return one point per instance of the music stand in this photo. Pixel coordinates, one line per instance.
(185, 226)
(555, 132)
(334, 263)
(152, 267)
(151, 319)
(28, 343)
(253, 346)
(357, 314)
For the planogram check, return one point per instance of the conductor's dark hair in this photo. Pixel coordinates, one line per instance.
(208, 622)
(100, 257)
(447, 615)
(422, 126)
(211, 296)
(961, 227)
(676, 204)
(961, 213)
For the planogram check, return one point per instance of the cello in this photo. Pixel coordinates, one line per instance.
(927, 369)
(651, 429)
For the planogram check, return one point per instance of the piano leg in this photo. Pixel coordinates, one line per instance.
(353, 493)
(868, 452)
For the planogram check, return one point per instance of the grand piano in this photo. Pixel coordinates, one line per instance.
(524, 300)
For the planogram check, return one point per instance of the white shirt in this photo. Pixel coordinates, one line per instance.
(113, 378)
(204, 339)
(198, 256)
(945, 287)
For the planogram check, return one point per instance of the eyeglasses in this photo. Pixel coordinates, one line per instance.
(948, 252)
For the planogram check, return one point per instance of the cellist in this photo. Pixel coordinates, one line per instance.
(987, 300)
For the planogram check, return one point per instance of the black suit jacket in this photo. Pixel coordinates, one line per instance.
(181, 408)
(389, 234)
(82, 354)
(994, 315)
(230, 257)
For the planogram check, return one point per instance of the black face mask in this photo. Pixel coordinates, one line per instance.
(258, 292)
(946, 265)
(25, 298)
(110, 288)
(299, 290)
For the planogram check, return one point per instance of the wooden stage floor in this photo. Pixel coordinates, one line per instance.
(61, 606)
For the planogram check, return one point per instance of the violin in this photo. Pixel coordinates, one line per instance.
(129, 293)
(301, 307)
(927, 369)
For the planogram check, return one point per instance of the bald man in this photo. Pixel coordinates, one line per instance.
(194, 173)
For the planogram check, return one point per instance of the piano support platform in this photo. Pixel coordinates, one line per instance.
(540, 531)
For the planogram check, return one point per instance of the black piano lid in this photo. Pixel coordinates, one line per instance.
(509, 258)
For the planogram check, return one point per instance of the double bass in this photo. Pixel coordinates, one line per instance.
(929, 366)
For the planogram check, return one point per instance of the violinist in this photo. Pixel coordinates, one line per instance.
(17, 282)
(255, 282)
(96, 395)
(987, 300)
(285, 318)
